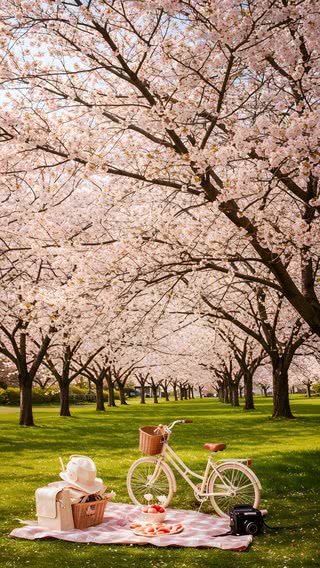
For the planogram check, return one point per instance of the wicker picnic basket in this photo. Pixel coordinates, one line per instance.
(150, 441)
(88, 514)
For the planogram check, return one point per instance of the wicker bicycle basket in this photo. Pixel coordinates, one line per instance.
(88, 514)
(150, 442)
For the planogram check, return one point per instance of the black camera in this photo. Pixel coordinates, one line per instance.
(245, 519)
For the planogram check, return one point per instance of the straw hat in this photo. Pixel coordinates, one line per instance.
(80, 473)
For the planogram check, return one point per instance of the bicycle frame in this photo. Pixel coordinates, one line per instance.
(185, 472)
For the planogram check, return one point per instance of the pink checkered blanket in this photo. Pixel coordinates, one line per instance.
(199, 530)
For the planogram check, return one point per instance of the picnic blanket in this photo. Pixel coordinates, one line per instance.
(199, 530)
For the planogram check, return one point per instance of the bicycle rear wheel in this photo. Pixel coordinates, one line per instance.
(147, 476)
(234, 484)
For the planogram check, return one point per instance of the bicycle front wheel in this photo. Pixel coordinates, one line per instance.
(147, 476)
(233, 484)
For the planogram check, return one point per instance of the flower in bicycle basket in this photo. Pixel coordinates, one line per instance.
(148, 496)
(162, 499)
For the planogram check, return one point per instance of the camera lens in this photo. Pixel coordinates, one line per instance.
(251, 528)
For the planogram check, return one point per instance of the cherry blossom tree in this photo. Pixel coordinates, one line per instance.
(121, 376)
(142, 379)
(97, 371)
(15, 345)
(230, 374)
(172, 146)
(47, 275)
(244, 351)
(262, 315)
(263, 379)
(279, 340)
(191, 97)
(304, 373)
(44, 378)
(59, 362)
(165, 385)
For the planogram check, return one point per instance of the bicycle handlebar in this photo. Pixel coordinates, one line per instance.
(179, 422)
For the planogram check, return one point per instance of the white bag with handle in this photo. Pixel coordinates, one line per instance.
(53, 506)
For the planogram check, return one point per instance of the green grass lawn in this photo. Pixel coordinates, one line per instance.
(285, 457)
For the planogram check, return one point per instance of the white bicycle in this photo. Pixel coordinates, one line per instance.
(226, 483)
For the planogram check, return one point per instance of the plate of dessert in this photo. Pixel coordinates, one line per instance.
(156, 529)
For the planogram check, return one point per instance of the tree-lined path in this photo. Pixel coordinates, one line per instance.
(159, 193)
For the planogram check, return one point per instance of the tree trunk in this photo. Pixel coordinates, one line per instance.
(234, 395)
(221, 391)
(281, 404)
(248, 391)
(181, 392)
(308, 390)
(64, 398)
(226, 394)
(166, 394)
(175, 393)
(26, 416)
(155, 394)
(99, 396)
(192, 392)
(142, 394)
(122, 395)
(200, 392)
(111, 400)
